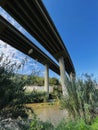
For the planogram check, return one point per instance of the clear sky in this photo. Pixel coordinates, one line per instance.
(77, 24)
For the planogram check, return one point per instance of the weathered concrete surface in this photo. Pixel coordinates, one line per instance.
(46, 86)
(63, 76)
(37, 88)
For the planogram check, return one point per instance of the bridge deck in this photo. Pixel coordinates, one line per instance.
(16, 39)
(33, 16)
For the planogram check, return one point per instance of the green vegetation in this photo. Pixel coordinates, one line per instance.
(81, 102)
(12, 89)
(69, 124)
(36, 124)
(12, 94)
(78, 124)
(35, 97)
(82, 99)
(34, 80)
(39, 81)
(57, 92)
(38, 96)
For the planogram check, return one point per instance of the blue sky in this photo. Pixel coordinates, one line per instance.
(77, 24)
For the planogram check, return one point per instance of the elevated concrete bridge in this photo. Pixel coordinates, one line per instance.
(16, 39)
(33, 16)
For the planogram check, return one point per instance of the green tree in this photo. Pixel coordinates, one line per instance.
(11, 89)
(53, 81)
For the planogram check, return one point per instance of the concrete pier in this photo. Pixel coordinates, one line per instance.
(63, 76)
(46, 86)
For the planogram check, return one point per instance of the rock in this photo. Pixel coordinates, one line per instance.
(14, 124)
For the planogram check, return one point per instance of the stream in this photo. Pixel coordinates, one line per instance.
(48, 112)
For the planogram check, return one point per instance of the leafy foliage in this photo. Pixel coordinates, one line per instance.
(94, 125)
(65, 124)
(82, 98)
(36, 124)
(39, 81)
(57, 92)
(78, 124)
(35, 97)
(54, 82)
(11, 89)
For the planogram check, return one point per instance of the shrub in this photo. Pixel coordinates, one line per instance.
(68, 124)
(35, 97)
(73, 125)
(11, 90)
(82, 98)
(36, 124)
(94, 125)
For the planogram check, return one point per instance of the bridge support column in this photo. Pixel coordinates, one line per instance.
(63, 76)
(46, 86)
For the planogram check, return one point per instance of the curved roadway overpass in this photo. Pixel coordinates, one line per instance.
(33, 16)
(16, 39)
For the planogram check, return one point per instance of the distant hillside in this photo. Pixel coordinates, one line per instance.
(38, 81)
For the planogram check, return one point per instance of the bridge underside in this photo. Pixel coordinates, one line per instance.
(33, 16)
(16, 39)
